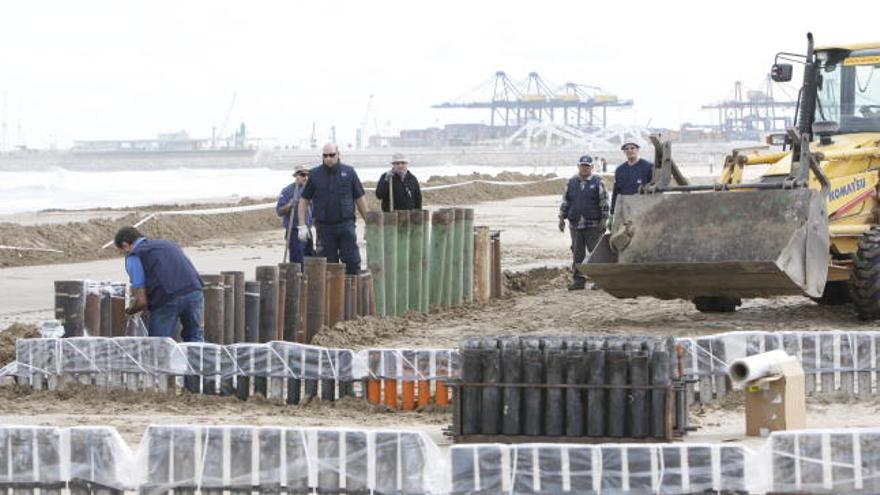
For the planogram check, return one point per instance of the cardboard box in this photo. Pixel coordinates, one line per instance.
(777, 403)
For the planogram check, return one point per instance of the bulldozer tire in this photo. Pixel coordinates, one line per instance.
(865, 278)
(835, 294)
(716, 304)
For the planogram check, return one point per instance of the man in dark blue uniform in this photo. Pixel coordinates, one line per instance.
(333, 191)
(630, 175)
(164, 281)
(585, 206)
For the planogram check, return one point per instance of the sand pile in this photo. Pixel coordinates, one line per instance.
(82, 241)
(9, 336)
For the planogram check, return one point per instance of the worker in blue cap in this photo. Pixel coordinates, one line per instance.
(585, 206)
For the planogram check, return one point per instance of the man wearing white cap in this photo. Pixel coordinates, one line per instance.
(405, 193)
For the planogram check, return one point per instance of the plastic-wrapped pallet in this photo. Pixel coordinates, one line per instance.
(292, 460)
(606, 468)
(824, 461)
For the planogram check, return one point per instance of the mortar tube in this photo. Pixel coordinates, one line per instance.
(292, 275)
(403, 233)
(554, 366)
(408, 385)
(390, 383)
(659, 376)
(268, 278)
(70, 304)
(467, 291)
(424, 304)
(596, 397)
(293, 357)
(311, 360)
(376, 256)
(496, 280)
(491, 396)
(214, 315)
(575, 374)
(616, 374)
(117, 326)
(228, 308)
(315, 269)
(329, 367)
(336, 291)
(227, 385)
(328, 290)
(92, 314)
(349, 311)
(439, 231)
(303, 308)
(423, 367)
(533, 372)
(106, 315)
(416, 255)
(252, 328)
(637, 418)
(373, 384)
(356, 462)
(511, 372)
(279, 303)
(458, 257)
(482, 278)
(471, 397)
(441, 392)
(389, 235)
(450, 259)
(238, 294)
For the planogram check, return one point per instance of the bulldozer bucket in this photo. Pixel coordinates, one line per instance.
(748, 243)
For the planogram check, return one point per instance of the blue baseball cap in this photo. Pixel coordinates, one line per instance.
(585, 160)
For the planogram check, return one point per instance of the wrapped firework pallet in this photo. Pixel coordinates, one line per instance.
(573, 389)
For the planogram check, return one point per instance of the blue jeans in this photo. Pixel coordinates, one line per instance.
(338, 241)
(188, 308)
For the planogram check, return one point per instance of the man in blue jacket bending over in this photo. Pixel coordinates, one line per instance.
(164, 281)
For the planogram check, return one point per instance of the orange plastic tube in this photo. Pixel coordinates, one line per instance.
(409, 395)
(424, 393)
(374, 391)
(391, 393)
(442, 394)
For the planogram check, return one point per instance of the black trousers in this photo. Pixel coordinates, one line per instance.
(583, 240)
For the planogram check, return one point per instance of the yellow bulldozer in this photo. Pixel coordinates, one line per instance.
(808, 225)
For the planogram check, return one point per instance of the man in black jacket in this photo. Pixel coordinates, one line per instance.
(585, 206)
(405, 191)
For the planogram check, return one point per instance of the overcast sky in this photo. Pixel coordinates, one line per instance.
(103, 70)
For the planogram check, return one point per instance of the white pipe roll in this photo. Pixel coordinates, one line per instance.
(758, 366)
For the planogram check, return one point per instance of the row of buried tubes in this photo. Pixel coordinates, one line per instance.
(414, 265)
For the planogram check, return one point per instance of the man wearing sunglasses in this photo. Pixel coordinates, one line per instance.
(286, 208)
(333, 190)
(630, 175)
(398, 188)
(585, 206)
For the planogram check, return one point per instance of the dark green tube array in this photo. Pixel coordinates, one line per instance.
(389, 234)
(620, 407)
(402, 261)
(376, 257)
(424, 304)
(416, 254)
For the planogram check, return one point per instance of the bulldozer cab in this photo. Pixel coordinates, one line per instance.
(784, 233)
